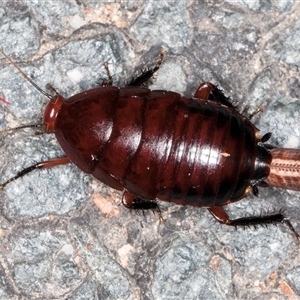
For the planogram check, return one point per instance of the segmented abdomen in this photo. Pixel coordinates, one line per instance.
(157, 144)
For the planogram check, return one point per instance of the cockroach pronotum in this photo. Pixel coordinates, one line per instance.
(157, 144)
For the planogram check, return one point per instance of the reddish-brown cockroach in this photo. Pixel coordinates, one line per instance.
(196, 151)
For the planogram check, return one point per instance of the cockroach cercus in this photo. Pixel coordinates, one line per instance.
(158, 145)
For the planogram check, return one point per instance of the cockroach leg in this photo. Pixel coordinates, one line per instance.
(109, 80)
(51, 88)
(255, 190)
(222, 217)
(148, 73)
(132, 202)
(289, 224)
(204, 90)
(208, 91)
(40, 165)
(258, 110)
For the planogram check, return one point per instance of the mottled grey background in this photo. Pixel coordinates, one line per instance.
(55, 242)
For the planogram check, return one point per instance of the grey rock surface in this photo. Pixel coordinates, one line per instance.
(63, 234)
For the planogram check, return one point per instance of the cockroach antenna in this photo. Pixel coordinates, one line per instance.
(32, 83)
(24, 75)
(21, 127)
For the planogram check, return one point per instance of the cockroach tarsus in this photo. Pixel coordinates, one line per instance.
(158, 145)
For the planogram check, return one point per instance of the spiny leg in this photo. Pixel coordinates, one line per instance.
(147, 74)
(258, 110)
(40, 165)
(132, 202)
(222, 217)
(106, 81)
(135, 81)
(109, 80)
(208, 91)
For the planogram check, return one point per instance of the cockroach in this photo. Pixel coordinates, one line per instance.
(158, 145)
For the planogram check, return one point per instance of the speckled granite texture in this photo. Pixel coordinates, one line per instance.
(55, 242)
